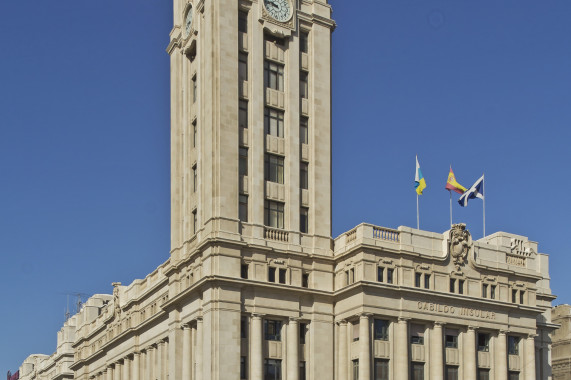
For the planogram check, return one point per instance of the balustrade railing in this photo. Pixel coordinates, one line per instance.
(276, 234)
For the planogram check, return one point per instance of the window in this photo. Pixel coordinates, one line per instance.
(483, 342)
(460, 286)
(416, 334)
(194, 133)
(243, 66)
(485, 290)
(451, 338)
(304, 85)
(381, 369)
(194, 178)
(304, 175)
(243, 328)
(355, 331)
(521, 296)
(274, 214)
(417, 279)
(272, 329)
(390, 275)
(302, 331)
(513, 375)
(417, 372)
(451, 373)
(194, 89)
(483, 374)
(452, 285)
(274, 76)
(194, 221)
(242, 367)
(513, 345)
(381, 329)
(303, 130)
(304, 42)
(493, 292)
(514, 296)
(426, 281)
(272, 274)
(243, 113)
(305, 280)
(274, 122)
(380, 271)
(302, 371)
(282, 275)
(243, 22)
(274, 168)
(304, 220)
(356, 369)
(243, 161)
(244, 271)
(272, 369)
(243, 208)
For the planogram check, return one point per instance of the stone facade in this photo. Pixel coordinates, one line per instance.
(255, 287)
(561, 315)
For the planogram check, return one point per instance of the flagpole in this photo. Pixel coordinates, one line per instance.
(484, 204)
(450, 192)
(417, 214)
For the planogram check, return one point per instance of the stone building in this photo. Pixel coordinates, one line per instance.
(255, 287)
(561, 337)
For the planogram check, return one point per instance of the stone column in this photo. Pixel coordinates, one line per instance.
(343, 355)
(199, 348)
(135, 365)
(109, 373)
(159, 360)
(165, 375)
(292, 350)
(501, 356)
(436, 353)
(126, 368)
(401, 349)
(364, 348)
(186, 363)
(469, 358)
(117, 372)
(256, 361)
(529, 360)
(149, 364)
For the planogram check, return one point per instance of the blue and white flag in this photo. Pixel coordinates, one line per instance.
(476, 191)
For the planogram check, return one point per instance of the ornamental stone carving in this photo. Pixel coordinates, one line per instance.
(117, 306)
(460, 242)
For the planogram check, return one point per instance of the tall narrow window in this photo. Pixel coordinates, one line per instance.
(514, 296)
(304, 220)
(243, 161)
(194, 221)
(381, 329)
(483, 342)
(273, 369)
(274, 122)
(303, 130)
(194, 89)
(242, 367)
(451, 338)
(460, 286)
(243, 207)
(426, 281)
(356, 369)
(521, 296)
(274, 168)
(282, 275)
(356, 331)
(302, 375)
(513, 345)
(390, 272)
(417, 371)
(304, 42)
(243, 114)
(243, 66)
(452, 285)
(493, 292)
(243, 22)
(381, 369)
(272, 329)
(244, 271)
(274, 76)
(451, 373)
(483, 374)
(272, 274)
(302, 332)
(194, 178)
(380, 271)
(305, 280)
(243, 328)
(485, 290)
(416, 334)
(274, 214)
(304, 175)
(417, 279)
(194, 133)
(304, 85)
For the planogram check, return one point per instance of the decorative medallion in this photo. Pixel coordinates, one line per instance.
(117, 307)
(460, 242)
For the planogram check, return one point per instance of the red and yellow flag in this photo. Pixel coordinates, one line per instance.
(451, 184)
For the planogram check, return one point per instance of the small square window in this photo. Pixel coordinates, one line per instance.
(272, 330)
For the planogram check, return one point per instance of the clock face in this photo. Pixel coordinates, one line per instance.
(280, 10)
(188, 22)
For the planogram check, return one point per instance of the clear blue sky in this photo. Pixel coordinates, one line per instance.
(84, 136)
